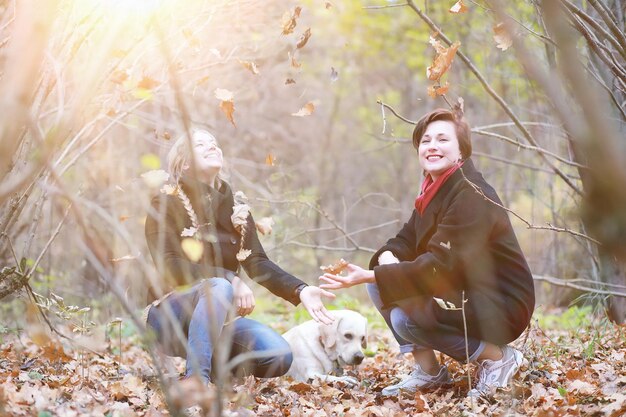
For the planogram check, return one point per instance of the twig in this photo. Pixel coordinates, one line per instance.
(389, 6)
(528, 224)
(565, 283)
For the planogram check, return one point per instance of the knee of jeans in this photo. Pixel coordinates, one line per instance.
(222, 289)
(280, 364)
(399, 322)
(374, 294)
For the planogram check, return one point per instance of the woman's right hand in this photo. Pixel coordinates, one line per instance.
(243, 297)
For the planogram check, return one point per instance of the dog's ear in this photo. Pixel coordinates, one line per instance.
(328, 333)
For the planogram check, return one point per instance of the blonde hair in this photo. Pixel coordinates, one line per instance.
(179, 156)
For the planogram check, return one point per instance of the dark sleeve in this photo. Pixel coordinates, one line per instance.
(462, 233)
(265, 272)
(402, 246)
(163, 227)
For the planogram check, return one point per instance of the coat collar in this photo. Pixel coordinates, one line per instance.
(427, 220)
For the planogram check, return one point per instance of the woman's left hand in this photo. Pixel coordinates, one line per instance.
(243, 297)
(311, 298)
(356, 275)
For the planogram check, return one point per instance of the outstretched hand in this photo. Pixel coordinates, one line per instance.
(356, 275)
(311, 298)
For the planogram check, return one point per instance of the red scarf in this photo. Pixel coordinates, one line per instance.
(430, 188)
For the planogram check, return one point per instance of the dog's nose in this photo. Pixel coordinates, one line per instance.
(358, 358)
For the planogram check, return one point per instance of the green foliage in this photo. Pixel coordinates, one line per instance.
(574, 318)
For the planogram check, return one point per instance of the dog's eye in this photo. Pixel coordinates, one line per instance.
(348, 336)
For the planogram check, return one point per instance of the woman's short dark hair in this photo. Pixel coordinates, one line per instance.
(461, 127)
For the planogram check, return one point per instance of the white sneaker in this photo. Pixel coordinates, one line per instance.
(419, 379)
(496, 374)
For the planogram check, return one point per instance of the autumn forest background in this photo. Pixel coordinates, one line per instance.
(313, 103)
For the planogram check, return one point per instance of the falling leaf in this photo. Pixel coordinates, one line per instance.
(147, 83)
(328, 5)
(438, 90)
(123, 218)
(216, 52)
(290, 81)
(307, 110)
(501, 36)
(192, 248)
(459, 7)
(304, 39)
(442, 61)
(289, 20)
(119, 76)
(251, 66)
(150, 161)
(155, 178)
(203, 80)
(227, 105)
(224, 95)
(264, 225)
(294, 62)
(243, 254)
(270, 160)
(124, 258)
(142, 94)
(334, 75)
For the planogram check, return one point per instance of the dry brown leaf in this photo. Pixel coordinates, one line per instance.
(290, 81)
(502, 37)
(307, 110)
(438, 90)
(293, 61)
(289, 20)
(335, 268)
(228, 107)
(270, 160)
(250, 66)
(224, 94)
(147, 83)
(442, 61)
(304, 39)
(264, 225)
(119, 76)
(459, 7)
(328, 5)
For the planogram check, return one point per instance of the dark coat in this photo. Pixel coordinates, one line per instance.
(462, 242)
(213, 208)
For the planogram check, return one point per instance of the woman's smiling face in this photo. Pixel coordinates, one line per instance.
(438, 149)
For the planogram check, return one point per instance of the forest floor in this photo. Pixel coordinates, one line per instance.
(576, 366)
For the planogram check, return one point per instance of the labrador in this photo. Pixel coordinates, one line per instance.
(319, 349)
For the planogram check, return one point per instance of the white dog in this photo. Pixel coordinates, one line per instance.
(319, 349)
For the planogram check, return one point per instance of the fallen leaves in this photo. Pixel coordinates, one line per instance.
(558, 380)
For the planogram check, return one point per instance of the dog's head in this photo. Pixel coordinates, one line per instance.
(345, 339)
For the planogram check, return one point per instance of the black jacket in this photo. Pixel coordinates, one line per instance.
(213, 208)
(463, 242)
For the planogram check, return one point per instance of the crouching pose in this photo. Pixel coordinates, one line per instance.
(199, 236)
(459, 240)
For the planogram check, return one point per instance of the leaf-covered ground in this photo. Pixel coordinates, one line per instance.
(577, 372)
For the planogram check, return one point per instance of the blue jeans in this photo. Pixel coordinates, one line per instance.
(188, 323)
(416, 328)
